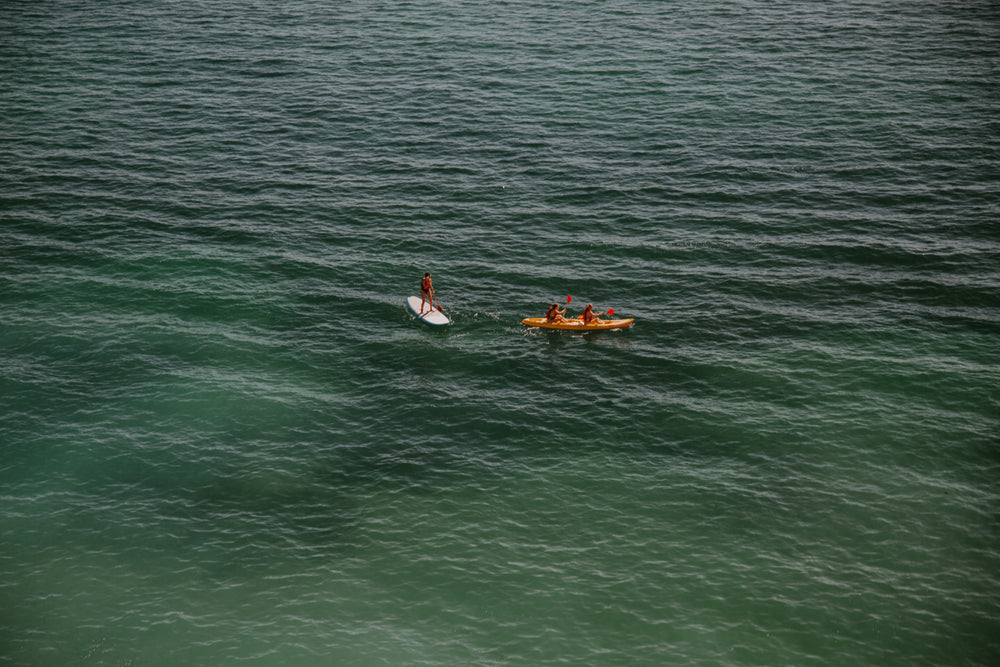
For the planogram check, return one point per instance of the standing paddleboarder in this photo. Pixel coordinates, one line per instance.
(427, 293)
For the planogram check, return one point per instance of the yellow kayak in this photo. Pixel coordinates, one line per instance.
(576, 324)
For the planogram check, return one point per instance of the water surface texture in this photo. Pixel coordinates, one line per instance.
(225, 440)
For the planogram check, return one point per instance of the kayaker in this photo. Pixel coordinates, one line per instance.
(553, 314)
(427, 293)
(589, 315)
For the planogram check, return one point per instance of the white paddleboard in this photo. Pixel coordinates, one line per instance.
(431, 314)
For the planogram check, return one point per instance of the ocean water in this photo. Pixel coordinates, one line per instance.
(225, 440)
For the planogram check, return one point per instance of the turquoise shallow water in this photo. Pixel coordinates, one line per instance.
(225, 440)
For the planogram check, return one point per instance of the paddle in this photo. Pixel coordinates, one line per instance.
(436, 302)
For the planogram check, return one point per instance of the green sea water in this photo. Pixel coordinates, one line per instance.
(225, 440)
